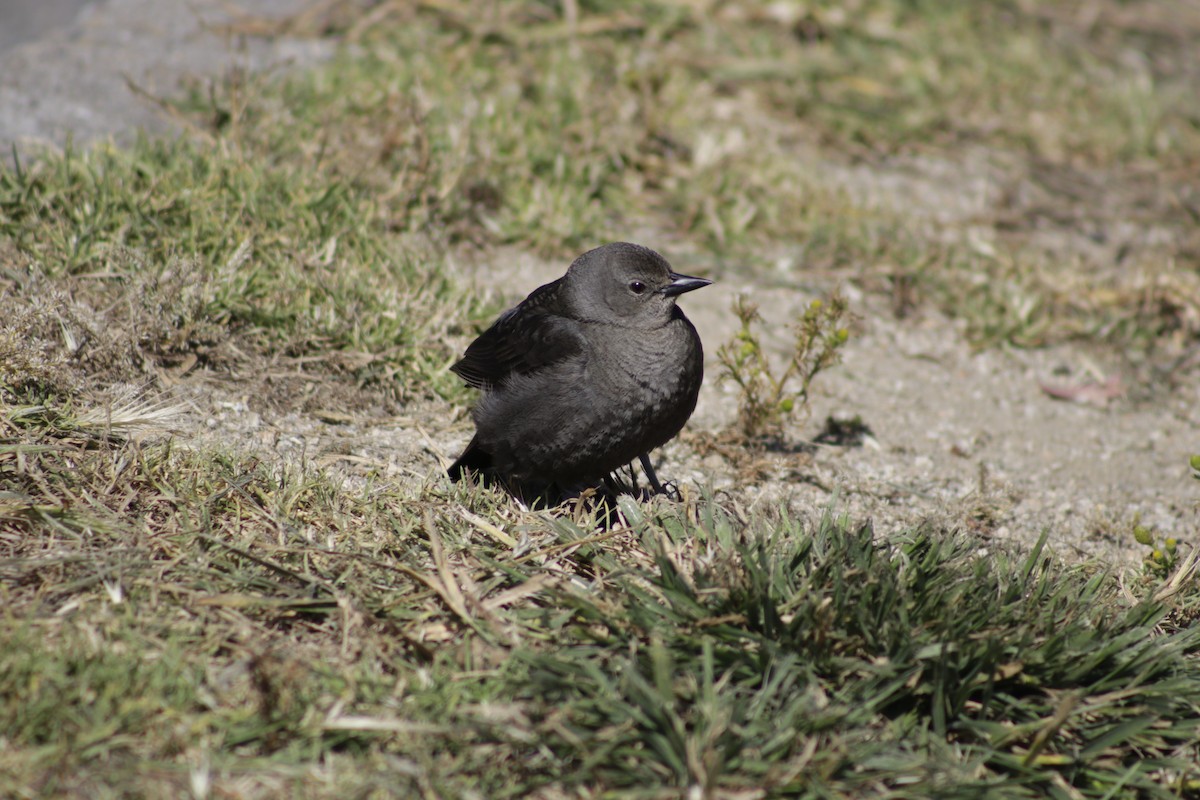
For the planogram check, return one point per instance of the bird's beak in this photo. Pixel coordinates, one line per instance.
(683, 283)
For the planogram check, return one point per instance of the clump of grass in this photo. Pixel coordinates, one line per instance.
(31, 351)
(830, 662)
(768, 397)
(59, 334)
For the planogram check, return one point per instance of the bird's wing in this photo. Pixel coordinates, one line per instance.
(525, 339)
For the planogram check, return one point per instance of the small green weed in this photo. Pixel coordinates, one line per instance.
(767, 398)
(1163, 556)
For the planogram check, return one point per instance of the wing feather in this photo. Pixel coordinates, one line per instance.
(525, 339)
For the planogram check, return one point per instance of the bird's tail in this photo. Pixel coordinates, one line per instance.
(475, 460)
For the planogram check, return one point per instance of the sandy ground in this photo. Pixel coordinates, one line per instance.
(971, 439)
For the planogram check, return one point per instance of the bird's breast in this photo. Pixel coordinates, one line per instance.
(648, 368)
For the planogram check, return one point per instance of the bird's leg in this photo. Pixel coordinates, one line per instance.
(633, 481)
(649, 470)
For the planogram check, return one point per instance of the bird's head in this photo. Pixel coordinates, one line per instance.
(626, 284)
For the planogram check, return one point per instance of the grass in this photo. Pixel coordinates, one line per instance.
(183, 616)
(183, 248)
(444, 129)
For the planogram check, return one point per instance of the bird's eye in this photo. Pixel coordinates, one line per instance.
(637, 287)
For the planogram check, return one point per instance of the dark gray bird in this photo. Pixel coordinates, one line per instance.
(585, 375)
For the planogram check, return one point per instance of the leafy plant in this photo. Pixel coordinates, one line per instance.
(767, 398)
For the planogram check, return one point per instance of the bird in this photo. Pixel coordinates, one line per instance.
(584, 375)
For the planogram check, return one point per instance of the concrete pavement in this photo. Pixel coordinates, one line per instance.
(66, 65)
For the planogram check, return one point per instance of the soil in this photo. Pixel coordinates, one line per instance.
(975, 440)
